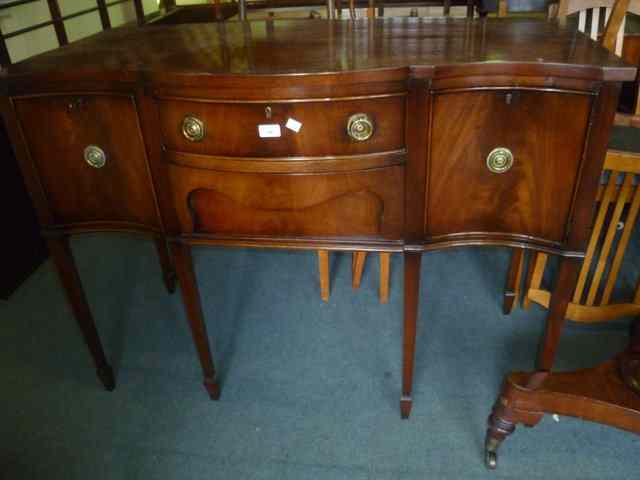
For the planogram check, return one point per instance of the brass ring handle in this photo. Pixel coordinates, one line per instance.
(95, 156)
(500, 160)
(360, 127)
(193, 128)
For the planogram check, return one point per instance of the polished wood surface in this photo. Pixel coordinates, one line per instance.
(440, 95)
(121, 191)
(231, 128)
(353, 204)
(534, 197)
(437, 47)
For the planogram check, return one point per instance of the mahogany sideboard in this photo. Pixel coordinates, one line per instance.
(398, 135)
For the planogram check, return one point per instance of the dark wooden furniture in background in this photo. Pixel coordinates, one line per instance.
(24, 250)
(392, 156)
(609, 393)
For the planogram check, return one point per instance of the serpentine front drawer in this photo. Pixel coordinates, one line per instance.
(316, 128)
(505, 162)
(90, 157)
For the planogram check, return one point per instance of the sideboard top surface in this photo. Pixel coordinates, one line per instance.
(433, 47)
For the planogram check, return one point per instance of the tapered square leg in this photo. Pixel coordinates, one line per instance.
(191, 298)
(168, 272)
(412, 262)
(65, 265)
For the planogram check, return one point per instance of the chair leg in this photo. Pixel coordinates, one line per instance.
(195, 317)
(357, 267)
(514, 280)
(323, 266)
(168, 272)
(385, 260)
(70, 279)
(534, 276)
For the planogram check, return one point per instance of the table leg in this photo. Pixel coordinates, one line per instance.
(411, 297)
(168, 272)
(565, 284)
(514, 281)
(70, 279)
(193, 307)
(504, 418)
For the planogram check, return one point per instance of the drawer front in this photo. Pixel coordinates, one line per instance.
(473, 187)
(90, 158)
(232, 129)
(354, 204)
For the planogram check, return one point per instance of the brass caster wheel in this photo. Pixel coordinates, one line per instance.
(491, 459)
(491, 453)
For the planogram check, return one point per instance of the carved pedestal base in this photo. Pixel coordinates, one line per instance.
(601, 394)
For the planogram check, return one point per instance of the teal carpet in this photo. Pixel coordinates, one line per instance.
(310, 390)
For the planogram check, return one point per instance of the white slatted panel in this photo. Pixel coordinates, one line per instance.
(620, 38)
(582, 20)
(595, 23)
(607, 14)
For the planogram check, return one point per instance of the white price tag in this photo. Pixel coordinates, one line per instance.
(269, 130)
(293, 125)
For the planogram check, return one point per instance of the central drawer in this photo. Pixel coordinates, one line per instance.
(232, 129)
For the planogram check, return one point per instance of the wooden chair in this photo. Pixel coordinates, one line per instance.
(618, 199)
(377, 7)
(357, 268)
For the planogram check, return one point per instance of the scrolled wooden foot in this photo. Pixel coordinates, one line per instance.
(105, 374)
(213, 388)
(405, 406)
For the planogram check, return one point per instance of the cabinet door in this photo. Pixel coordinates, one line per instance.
(65, 135)
(545, 134)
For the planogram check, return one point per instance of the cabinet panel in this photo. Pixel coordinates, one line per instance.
(545, 133)
(58, 131)
(355, 204)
